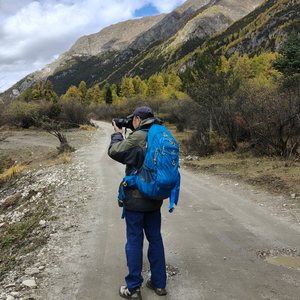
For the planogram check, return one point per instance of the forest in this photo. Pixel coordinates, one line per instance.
(224, 102)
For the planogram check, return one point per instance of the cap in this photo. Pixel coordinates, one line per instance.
(143, 112)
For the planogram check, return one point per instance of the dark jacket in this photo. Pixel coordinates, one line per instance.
(130, 151)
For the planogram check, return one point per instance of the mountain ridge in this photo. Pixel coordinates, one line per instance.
(162, 42)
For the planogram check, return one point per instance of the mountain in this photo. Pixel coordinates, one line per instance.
(142, 46)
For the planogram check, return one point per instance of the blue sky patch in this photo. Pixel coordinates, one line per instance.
(148, 10)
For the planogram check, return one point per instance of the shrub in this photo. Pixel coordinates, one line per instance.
(271, 119)
(3, 113)
(73, 113)
(198, 144)
(182, 113)
(54, 128)
(217, 143)
(23, 114)
(105, 112)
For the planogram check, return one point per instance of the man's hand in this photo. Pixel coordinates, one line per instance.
(117, 129)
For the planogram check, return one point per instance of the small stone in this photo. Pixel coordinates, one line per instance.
(1, 224)
(293, 196)
(10, 298)
(10, 285)
(32, 271)
(41, 268)
(30, 283)
(15, 294)
(42, 222)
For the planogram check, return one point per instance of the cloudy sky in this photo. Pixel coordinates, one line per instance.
(34, 33)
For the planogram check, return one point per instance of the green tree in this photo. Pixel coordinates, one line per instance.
(127, 88)
(288, 62)
(37, 91)
(26, 96)
(48, 94)
(213, 90)
(97, 97)
(245, 67)
(72, 93)
(143, 89)
(89, 96)
(107, 94)
(136, 81)
(155, 85)
(83, 90)
(49, 85)
(174, 81)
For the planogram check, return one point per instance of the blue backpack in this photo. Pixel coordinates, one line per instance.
(159, 177)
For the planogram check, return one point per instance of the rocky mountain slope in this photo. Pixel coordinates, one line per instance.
(110, 54)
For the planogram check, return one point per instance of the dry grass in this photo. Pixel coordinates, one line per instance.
(12, 172)
(65, 158)
(87, 127)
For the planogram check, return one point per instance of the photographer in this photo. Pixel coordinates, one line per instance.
(141, 214)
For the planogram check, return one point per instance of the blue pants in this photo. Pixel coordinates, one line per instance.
(136, 224)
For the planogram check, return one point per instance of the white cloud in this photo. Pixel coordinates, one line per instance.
(32, 33)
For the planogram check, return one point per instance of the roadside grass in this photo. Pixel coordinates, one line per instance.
(18, 238)
(11, 172)
(64, 158)
(22, 235)
(87, 127)
(265, 173)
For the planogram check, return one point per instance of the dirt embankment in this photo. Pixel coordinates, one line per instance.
(40, 210)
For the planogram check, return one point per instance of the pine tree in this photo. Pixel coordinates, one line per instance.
(48, 94)
(160, 84)
(289, 61)
(26, 96)
(83, 90)
(37, 91)
(49, 85)
(127, 88)
(89, 96)
(72, 93)
(174, 81)
(107, 94)
(97, 98)
(155, 85)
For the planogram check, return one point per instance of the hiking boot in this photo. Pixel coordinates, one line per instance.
(158, 291)
(132, 295)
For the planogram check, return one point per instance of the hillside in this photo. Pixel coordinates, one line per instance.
(140, 46)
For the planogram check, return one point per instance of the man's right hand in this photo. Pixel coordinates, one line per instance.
(117, 129)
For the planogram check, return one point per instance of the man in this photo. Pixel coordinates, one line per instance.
(141, 214)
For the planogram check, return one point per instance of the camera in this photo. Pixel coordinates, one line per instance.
(127, 123)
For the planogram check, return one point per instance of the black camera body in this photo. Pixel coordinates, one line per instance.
(127, 123)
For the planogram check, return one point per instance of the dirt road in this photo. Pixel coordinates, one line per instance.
(213, 240)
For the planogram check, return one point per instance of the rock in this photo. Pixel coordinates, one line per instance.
(42, 222)
(32, 271)
(30, 283)
(10, 298)
(15, 294)
(10, 285)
